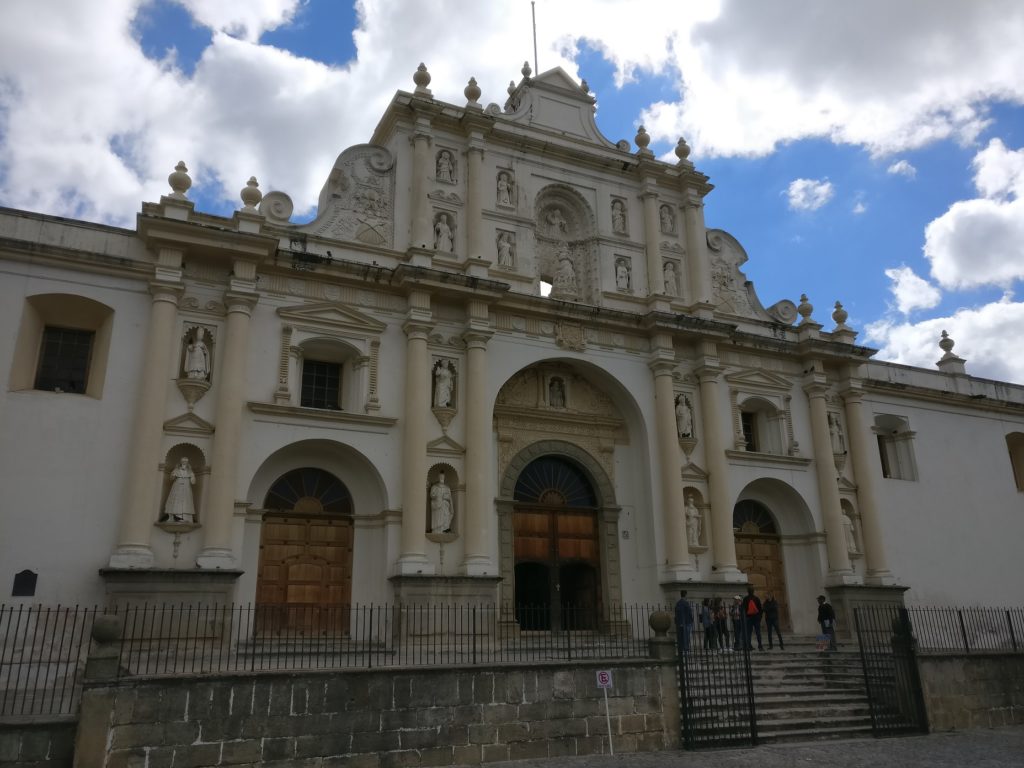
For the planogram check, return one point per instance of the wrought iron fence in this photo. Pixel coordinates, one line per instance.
(968, 630)
(42, 651)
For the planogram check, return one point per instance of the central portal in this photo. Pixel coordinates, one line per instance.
(557, 555)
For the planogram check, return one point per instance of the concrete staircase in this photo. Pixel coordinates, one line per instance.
(802, 694)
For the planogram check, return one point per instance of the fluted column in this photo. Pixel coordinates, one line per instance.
(865, 470)
(677, 551)
(422, 171)
(218, 517)
(652, 236)
(142, 490)
(723, 542)
(839, 570)
(479, 510)
(413, 559)
(698, 271)
(475, 186)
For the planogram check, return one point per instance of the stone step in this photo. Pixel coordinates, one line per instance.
(773, 736)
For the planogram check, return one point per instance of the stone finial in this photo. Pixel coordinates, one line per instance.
(682, 150)
(805, 309)
(511, 87)
(840, 315)
(472, 91)
(946, 344)
(251, 194)
(422, 78)
(950, 363)
(180, 181)
(526, 69)
(584, 86)
(642, 139)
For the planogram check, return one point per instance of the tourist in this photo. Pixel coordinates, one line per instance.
(827, 621)
(751, 612)
(771, 620)
(684, 623)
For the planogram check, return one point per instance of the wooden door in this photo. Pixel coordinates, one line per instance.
(760, 558)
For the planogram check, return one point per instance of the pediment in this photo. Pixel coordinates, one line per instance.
(694, 472)
(445, 446)
(554, 100)
(759, 380)
(188, 424)
(846, 486)
(329, 315)
(733, 293)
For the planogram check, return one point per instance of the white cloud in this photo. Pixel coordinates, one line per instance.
(985, 336)
(910, 291)
(859, 208)
(902, 168)
(981, 241)
(247, 19)
(809, 194)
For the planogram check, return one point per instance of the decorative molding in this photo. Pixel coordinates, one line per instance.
(331, 316)
(751, 457)
(188, 425)
(445, 446)
(329, 419)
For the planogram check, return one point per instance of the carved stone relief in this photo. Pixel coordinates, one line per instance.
(623, 274)
(444, 232)
(445, 166)
(620, 220)
(506, 249)
(357, 202)
(667, 219)
(505, 189)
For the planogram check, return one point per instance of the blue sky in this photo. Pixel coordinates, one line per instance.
(872, 154)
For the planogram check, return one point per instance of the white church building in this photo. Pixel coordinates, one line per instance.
(508, 361)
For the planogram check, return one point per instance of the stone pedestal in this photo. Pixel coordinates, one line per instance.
(845, 599)
(130, 588)
(696, 591)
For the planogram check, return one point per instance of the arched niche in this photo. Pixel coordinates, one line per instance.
(566, 244)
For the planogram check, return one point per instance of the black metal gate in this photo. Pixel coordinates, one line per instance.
(887, 649)
(716, 692)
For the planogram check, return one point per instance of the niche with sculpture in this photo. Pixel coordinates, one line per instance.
(445, 170)
(566, 246)
(195, 370)
(851, 530)
(505, 189)
(623, 275)
(184, 478)
(443, 396)
(694, 510)
(442, 491)
(444, 232)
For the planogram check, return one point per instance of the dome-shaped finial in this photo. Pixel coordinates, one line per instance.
(584, 86)
(472, 91)
(180, 181)
(421, 77)
(642, 139)
(526, 69)
(682, 149)
(840, 314)
(946, 343)
(511, 87)
(251, 194)
(805, 309)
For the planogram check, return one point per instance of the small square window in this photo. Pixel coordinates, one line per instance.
(321, 385)
(64, 358)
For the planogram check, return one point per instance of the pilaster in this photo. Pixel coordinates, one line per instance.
(652, 235)
(698, 271)
(422, 227)
(479, 493)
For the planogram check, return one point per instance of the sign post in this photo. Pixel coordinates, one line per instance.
(604, 681)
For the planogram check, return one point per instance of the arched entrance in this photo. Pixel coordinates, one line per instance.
(759, 553)
(556, 547)
(304, 581)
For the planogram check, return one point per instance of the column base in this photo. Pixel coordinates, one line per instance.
(414, 565)
(880, 579)
(131, 556)
(846, 599)
(727, 574)
(842, 579)
(478, 565)
(214, 558)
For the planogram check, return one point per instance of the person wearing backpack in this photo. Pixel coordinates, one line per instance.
(736, 614)
(751, 611)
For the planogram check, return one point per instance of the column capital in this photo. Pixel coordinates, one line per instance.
(241, 302)
(476, 338)
(662, 366)
(708, 373)
(168, 292)
(417, 329)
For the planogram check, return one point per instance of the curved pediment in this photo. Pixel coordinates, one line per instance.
(554, 100)
(733, 293)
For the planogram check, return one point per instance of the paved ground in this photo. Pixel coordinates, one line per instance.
(994, 748)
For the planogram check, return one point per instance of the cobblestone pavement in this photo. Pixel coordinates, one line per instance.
(992, 748)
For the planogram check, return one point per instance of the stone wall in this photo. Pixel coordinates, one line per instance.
(33, 744)
(377, 717)
(973, 691)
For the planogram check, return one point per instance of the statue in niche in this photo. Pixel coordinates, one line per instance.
(850, 534)
(692, 522)
(684, 417)
(504, 189)
(444, 384)
(180, 505)
(197, 359)
(668, 221)
(556, 393)
(671, 286)
(835, 433)
(443, 234)
(622, 275)
(556, 222)
(565, 274)
(618, 217)
(442, 511)
(506, 250)
(445, 167)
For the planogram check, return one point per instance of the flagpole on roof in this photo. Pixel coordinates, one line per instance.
(533, 13)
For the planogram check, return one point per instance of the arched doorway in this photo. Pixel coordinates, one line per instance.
(556, 547)
(759, 553)
(304, 581)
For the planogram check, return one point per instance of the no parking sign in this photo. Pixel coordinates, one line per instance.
(604, 681)
(604, 678)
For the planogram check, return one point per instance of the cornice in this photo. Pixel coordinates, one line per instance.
(913, 392)
(761, 459)
(87, 261)
(326, 418)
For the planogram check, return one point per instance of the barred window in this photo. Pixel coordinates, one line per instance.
(64, 357)
(321, 385)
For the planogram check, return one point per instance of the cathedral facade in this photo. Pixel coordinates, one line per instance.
(507, 361)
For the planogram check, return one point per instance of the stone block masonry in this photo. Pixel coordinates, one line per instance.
(977, 691)
(378, 718)
(29, 743)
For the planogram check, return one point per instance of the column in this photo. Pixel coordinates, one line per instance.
(677, 551)
(475, 243)
(413, 559)
(218, 517)
(723, 542)
(652, 237)
(861, 443)
(839, 570)
(698, 271)
(479, 440)
(422, 168)
(142, 489)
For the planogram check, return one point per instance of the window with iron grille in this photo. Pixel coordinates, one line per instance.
(321, 385)
(64, 357)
